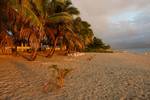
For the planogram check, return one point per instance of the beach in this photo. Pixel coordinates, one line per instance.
(94, 76)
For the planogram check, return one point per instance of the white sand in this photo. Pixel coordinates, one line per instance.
(117, 76)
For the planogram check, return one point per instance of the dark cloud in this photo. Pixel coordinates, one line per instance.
(121, 23)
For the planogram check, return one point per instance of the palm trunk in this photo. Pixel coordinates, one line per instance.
(50, 54)
(32, 57)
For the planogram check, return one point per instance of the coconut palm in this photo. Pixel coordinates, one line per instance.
(84, 30)
(5, 38)
(21, 16)
(58, 6)
(5, 41)
(25, 18)
(57, 28)
(63, 26)
(32, 20)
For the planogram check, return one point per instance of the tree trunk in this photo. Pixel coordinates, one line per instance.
(50, 54)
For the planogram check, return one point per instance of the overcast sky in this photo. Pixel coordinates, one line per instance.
(120, 23)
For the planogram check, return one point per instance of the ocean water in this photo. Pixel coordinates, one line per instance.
(138, 50)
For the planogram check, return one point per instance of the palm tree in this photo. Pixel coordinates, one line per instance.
(28, 19)
(84, 30)
(24, 18)
(5, 38)
(32, 20)
(5, 41)
(59, 21)
(64, 25)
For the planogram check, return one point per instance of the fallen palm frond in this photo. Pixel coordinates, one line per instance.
(59, 76)
(90, 58)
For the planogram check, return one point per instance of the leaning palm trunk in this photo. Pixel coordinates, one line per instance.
(34, 42)
(50, 54)
(51, 34)
(72, 42)
(6, 43)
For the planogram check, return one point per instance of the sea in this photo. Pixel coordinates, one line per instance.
(136, 50)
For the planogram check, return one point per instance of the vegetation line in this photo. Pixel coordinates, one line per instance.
(43, 24)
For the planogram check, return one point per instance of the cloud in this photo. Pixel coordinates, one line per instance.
(121, 23)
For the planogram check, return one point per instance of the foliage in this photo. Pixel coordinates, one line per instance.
(98, 46)
(84, 30)
(34, 21)
(98, 43)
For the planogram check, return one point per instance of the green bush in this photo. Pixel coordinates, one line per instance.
(98, 46)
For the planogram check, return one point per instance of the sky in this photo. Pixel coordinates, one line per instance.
(120, 23)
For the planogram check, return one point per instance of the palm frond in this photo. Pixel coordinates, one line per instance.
(39, 4)
(26, 11)
(60, 17)
(72, 10)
